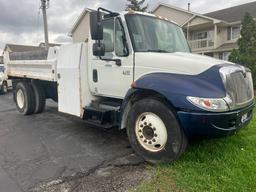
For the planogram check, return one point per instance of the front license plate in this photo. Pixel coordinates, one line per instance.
(244, 118)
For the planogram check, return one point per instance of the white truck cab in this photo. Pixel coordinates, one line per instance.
(136, 72)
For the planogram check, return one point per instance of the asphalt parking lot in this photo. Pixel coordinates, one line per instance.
(50, 146)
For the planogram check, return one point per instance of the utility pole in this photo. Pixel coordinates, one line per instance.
(45, 5)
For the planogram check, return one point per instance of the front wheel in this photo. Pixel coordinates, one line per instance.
(154, 132)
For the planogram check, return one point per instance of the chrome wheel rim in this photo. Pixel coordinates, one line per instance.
(20, 99)
(151, 132)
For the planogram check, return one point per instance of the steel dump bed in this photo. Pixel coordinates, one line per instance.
(34, 65)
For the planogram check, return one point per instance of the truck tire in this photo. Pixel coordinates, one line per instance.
(154, 132)
(39, 98)
(24, 97)
(4, 88)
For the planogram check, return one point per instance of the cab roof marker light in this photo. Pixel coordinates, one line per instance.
(159, 17)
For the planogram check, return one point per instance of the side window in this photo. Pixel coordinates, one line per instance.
(120, 47)
(108, 35)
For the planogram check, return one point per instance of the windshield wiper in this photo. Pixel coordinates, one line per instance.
(158, 51)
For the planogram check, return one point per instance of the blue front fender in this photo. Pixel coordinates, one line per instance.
(176, 87)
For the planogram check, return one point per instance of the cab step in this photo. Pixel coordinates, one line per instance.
(101, 117)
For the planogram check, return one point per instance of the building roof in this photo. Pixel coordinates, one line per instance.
(172, 7)
(50, 44)
(25, 48)
(235, 13)
(21, 48)
(226, 47)
(193, 14)
(230, 15)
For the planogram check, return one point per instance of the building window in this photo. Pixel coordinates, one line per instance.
(202, 39)
(200, 35)
(224, 56)
(234, 32)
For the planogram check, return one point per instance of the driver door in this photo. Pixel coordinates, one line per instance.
(109, 79)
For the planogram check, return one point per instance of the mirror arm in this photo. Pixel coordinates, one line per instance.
(99, 23)
(118, 61)
(111, 14)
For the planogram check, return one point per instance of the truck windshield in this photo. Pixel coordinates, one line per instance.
(150, 34)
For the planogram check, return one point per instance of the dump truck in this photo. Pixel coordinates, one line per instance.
(136, 72)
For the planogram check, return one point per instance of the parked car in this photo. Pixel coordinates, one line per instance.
(5, 84)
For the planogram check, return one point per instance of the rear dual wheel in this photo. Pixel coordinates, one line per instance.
(154, 131)
(25, 98)
(29, 98)
(39, 98)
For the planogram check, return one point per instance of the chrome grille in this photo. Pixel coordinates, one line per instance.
(238, 84)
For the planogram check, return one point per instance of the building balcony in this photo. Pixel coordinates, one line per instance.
(201, 44)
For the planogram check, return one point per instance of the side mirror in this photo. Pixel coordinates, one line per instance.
(96, 29)
(96, 25)
(98, 49)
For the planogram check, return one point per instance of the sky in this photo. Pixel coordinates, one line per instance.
(21, 21)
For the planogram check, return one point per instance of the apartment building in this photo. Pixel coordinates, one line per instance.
(214, 34)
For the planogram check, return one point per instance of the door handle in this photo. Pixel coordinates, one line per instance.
(95, 76)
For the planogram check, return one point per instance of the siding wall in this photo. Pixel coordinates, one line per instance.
(221, 36)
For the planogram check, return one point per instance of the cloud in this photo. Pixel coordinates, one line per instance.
(14, 14)
(20, 22)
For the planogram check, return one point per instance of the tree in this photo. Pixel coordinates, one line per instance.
(136, 5)
(246, 53)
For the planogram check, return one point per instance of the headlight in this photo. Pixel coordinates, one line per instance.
(209, 104)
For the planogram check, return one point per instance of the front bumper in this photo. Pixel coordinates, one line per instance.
(214, 124)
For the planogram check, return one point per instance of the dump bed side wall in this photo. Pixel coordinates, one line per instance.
(33, 69)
